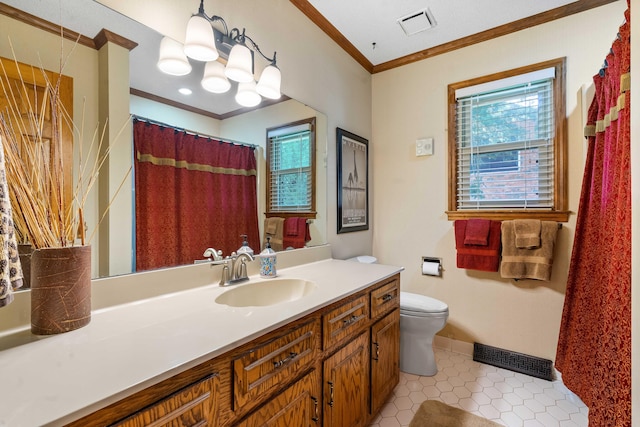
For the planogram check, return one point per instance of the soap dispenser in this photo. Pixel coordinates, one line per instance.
(245, 246)
(268, 261)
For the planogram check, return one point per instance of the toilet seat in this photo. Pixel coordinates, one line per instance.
(421, 305)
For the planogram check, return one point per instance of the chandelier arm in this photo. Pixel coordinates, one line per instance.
(243, 37)
(215, 18)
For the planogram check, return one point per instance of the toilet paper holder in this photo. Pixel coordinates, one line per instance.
(431, 262)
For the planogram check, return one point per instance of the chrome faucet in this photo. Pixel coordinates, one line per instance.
(235, 273)
(212, 254)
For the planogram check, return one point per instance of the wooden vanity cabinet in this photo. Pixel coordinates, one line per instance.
(385, 368)
(346, 384)
(192, 406)
(335, 367)
(298, 405)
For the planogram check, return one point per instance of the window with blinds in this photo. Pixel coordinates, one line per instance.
(291, 171)
(506, 143)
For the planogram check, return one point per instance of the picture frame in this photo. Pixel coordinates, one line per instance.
(353, 181)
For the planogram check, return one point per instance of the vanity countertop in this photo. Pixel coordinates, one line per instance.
(128, 347)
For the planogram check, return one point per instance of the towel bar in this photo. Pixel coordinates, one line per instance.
(559, 225)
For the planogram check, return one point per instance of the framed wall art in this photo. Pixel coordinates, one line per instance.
(353, 182)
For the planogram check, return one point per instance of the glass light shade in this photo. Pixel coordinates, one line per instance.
(269, 83)
(247, 95)
(200, 42)
(172, 59)
(240, 64)
(214, 79)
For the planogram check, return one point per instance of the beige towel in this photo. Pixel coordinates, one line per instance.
(527, 233)
(274, 228)
(535, 263)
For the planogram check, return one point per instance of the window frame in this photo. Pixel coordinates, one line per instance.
(311, 214)
(559, 210)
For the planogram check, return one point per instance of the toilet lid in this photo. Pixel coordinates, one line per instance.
(421, 303)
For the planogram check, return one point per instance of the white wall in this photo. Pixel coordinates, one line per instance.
(410, 193)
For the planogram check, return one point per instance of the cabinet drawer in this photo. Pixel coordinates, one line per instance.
(385, 298)
(192, 406)
(255, 373)
(342, 321)
(297, 406)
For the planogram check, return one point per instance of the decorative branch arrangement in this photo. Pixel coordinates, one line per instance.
(31, 134)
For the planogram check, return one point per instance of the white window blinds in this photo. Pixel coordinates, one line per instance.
(290, 170)
(505, 144)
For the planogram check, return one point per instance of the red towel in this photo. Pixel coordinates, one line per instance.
(296, 233)
(477, 232)
(473, 257)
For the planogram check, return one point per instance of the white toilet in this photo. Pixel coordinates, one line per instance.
(421, 317)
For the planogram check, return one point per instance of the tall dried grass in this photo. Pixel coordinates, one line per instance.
(35, 168)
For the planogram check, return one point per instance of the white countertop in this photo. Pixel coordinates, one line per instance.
(125, 348)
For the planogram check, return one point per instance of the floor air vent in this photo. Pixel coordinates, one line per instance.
(517, 362)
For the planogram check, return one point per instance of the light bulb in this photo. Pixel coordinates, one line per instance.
(214, 79)
(172, 59)
(269, 83)
(240, 64)
(200, 43)
(247, 95)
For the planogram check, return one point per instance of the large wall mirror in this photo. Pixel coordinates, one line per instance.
(147, 96)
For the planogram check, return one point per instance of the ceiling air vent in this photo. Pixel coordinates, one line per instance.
(417, 22)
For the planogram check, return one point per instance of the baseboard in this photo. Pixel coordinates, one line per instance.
(461, 347)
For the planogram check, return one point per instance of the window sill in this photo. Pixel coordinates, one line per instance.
(498, 215)
(308, 215)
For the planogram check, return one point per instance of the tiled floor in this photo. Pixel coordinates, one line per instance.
(506, 397)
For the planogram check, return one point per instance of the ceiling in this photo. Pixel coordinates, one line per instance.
(367, 29)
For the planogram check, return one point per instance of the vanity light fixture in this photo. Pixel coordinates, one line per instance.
(207, 43)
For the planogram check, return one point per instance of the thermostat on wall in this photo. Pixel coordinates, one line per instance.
(424, 147)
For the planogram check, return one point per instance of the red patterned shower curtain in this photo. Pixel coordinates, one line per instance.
(191, 193)
(594, 347)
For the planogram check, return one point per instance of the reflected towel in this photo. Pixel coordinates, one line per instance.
(296, 232)
(273, 228)
(534, 263)
(473, 257)
(477, 232)
(10, 268)
(527, 233)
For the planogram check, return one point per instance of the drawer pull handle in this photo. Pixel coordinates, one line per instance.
(287, 359)
(387, 297)
(330, 393)
(315, 418)
(350, 320)
(377, 356)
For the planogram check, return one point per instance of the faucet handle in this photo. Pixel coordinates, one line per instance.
(211, 252)
(243, 270)
(225, 277)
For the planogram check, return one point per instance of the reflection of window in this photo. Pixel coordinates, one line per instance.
(291, 169)
(506, 144)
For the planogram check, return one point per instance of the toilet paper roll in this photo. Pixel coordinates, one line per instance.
(431, 268)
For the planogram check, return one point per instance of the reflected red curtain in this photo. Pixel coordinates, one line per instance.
(191, 193)
(594, 347)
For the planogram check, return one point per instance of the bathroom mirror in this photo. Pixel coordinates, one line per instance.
(225, 121)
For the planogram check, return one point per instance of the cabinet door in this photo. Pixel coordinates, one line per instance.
(296, 406)
(385, 354)
(346, 385)
(194, 405)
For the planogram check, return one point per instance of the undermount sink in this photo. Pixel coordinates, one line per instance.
(266, 292)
